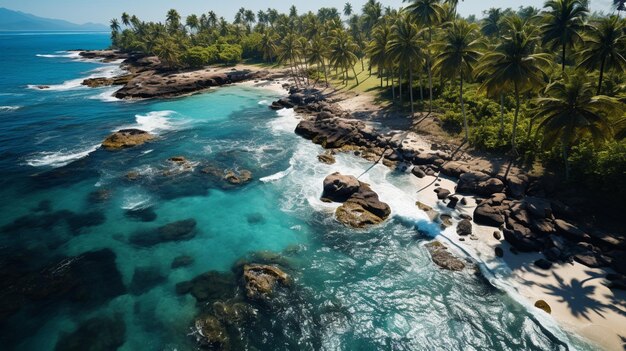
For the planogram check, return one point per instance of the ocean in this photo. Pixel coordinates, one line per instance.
(63, 196)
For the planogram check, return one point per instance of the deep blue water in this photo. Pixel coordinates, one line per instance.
(63, 196)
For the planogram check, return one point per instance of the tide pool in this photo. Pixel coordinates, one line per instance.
(374, 289)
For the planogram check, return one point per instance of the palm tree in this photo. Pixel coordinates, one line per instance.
(604, 48)
(563, 25)
(492, 23)
(168, 51)
(571, 110)
(317, 54)
(192, 22)
(115, 26)
(458, 55)
(514, 65)
(377, 49)
(428, 13)
(125, 19)
(372, 11)
(405, 49)
(173, 20)
(347, 9)
(342, 54)
(288, 52)
(268, 45)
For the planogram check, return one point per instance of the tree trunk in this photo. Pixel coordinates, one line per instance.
(400, 83)
(325, 73)
(430, 72)
(363, 67)
(463, 110)
(514, 134)
(563, 59)
(355, 76)
(393, 89)
(565, 156)
(601, 77)
(501, 132)
(411, 88)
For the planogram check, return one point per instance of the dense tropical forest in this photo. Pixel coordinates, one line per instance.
(545, 86)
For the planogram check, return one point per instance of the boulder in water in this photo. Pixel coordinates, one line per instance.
(541, 304)
(339, 188)
(237, 177)
(443, 258)
(261, 280)
(126, 138)
(210, 333)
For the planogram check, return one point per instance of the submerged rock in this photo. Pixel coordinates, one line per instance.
(176, 231)
(95, 334)
(145, 279)
(126, 138)
(443, 258)
(260, 280)
(237, 177)
(182, 261)
(210, 333)
(209, 286)
(326, 158)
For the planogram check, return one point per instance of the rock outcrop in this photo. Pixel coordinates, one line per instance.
(361, 206)
(443, 258)
(261, 280)
(126, 138)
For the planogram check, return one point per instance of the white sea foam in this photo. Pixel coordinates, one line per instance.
(61, 54)
(264, 102)
(285, 122)
(9, 108)
(136, 200)
(58, 158)
(107, 95)
(106, 71)
(155, 122)
(277, 176)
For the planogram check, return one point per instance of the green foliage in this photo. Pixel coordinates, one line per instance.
(199, 56)
(251, 46)
(230, 54)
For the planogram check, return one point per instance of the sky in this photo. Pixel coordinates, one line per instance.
(101, 11)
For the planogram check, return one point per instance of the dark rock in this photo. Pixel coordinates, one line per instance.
(499, 252)
(418, 172)
(453, 202)
(485, 214)
(145, 279)
(237, 177)
(176, 231)
(552, 254)
(522, 242)
(339, 188)
(590, 260)
(209, 286)
(255, 218)
(443, 258)
(542, 226)
(479, 183)
(182, 261)
(77, 222)
(141, 214)
(454, 169)
(442, 194)
(517, 185)
(497, 235)
(95, 334)
(543, 264)
(538, 207)
(570, 231)
(446, 220)
(464, 228)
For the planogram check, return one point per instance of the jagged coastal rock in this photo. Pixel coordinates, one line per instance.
(361, 207)
(126, 138)
(260, 280)
(443, 258)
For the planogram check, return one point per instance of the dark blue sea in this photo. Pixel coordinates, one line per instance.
(84, 259)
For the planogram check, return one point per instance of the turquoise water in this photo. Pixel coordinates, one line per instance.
(353, 290)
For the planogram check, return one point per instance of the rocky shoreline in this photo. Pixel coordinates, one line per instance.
(147, 78)
(516, 207)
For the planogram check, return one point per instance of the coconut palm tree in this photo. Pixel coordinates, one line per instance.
(459, 52)
(405, 48)
(168, 51)
(428, 13)
(115, 26)
(192, 22)
(173, 20)
(268, 45)
(288, 53)
(563, 25)
(571, 110)
(125, 19)
(317, 54)
(514, 65)
(492, 23)
(347, 9)
(377, 49)
(620, 5)
(342, 54)
(604, 48)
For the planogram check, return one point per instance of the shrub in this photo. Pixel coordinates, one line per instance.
(230, 54)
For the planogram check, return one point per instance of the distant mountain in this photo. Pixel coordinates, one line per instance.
(15, 20)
